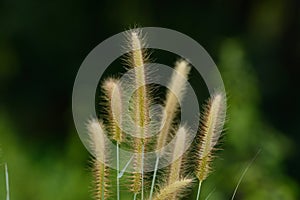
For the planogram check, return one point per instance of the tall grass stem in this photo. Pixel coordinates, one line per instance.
(118, 170)
(142, 171)
(7, 182)
(124, 169)
(199, 190)
(154, 176)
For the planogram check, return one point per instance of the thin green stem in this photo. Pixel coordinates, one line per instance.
(142, 171)
(124, 169)
(7, 182)
(134, 197)
(154, 176)
(244, 173)
(199, 190)
(118, 171)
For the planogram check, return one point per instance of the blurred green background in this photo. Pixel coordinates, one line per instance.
(256, 45)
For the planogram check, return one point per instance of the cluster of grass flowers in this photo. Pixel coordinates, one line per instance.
(177, 181)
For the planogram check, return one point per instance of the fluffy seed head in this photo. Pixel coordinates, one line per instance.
(113, 94)
(177, 84)
(137, 49)
(100, 171)
(179, 148)
(212, 124)
(97, 142)
(174, 96)
(178, 187)
(141, 107)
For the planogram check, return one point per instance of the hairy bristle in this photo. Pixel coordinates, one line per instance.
(178, 150)
(136, 177)
(212, 124)
(96, 134)
(137, 52)
(100, 171)
(136, 183)
(174, 96)
(141, 97)
(113, 94)
(168, 191)
(141, 112)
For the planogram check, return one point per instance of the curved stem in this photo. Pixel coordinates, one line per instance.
(199, 190)
(244, 173)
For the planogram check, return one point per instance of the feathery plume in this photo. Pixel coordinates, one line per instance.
(212, 124)
(100, 171)
(177, 187)
(175, 95)
(141, 97)
(178, 150)
(141, 103)
(113, 95)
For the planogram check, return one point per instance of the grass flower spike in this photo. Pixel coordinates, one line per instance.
(178, 150)
(179, 146)
(169, 190)
(96, 133)
(174, 96)
(141, 104)
(113, 95)
(212, 124)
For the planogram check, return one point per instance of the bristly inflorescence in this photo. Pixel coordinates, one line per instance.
(210, 131)
(177, 187)
(113, 95)
(175, 184)
(174, 97)
(100, 170)
(212, 122)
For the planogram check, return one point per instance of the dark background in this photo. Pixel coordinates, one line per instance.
(256, 45)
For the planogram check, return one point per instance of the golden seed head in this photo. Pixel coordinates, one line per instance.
(97, 140)
(174, 97)
(113, 93)
(212, 124)
(168, 191)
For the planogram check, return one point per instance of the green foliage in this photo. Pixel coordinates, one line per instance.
(56, 174)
